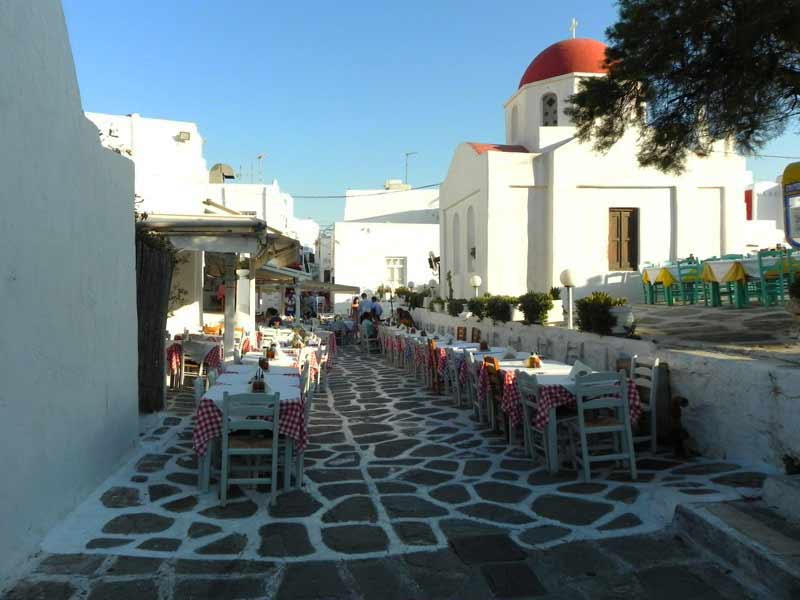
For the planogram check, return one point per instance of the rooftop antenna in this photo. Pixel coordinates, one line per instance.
(573, 26)
(407, 154)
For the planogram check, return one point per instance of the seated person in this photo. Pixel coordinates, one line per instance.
(274, 319)
(368, 329)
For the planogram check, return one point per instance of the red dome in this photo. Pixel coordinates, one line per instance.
(569, 56)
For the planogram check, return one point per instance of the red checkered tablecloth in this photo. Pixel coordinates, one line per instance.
(174, 357)
(214, 358)
(463, 373)
(246, 345)
(442, 360)
(552, 396)
(208, 424)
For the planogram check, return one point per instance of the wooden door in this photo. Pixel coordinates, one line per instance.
(623, 239)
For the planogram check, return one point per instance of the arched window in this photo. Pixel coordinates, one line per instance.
(514, 138)
(549, 110)
(456, 244)
(471, 249)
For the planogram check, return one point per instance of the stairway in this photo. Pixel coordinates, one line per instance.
(759, 540)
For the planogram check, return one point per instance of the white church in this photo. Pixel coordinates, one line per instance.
(519, 213)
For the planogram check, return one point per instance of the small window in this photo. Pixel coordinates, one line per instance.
(549, 110)
(395, 270)
(623, 239)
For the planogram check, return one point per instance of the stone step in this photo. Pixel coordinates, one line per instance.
(782, 494)
(756, 541)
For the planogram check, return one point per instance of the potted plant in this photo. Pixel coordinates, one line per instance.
(477, 306)
(600, 313)
(499, 308)
(455, 306)
(536, 307)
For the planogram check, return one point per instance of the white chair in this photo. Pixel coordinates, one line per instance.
(539, 443)
(453, 382)
(308, 397)
(644, 373)
(543, 347)
(602, 401)
(573, 353)
(238, 412)
(369, 344)
(479, 407)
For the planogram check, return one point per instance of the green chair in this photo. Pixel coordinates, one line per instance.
(690, 282)
(727, 289)
(771, 277)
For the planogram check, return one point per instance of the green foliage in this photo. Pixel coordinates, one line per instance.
(382, 290)
(684, 74)
(455, 307)
(437, 304)
(477, 306)
(535, 306)
(402, 292)
(498, 308)
(416, 299)
(594, 312)
(555, 293)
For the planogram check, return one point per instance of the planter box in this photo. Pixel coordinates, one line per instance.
(625, 320)
(556, 314)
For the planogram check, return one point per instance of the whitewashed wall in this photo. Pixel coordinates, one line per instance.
(368, 204)
(360, 251)
(739, 408)
(68, 402)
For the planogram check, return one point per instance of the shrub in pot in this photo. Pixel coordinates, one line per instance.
(477, 306)
(455, 306)
(535, 306)
(498, 308)
(594, 313)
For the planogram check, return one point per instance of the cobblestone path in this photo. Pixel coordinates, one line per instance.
(406, 497)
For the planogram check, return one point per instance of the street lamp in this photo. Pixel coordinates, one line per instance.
(568, 282)
(475, 282)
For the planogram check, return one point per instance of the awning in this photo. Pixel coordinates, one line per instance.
(321, 286)
(273, 275)
(212, 233)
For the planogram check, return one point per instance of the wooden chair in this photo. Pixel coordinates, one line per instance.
(644, 373)
(479, 408)
(453, 383)
(369, 345)
(602, 401)
(573, 353)
(298, 460)
(492, 366)
(540, 443)
(249, 413)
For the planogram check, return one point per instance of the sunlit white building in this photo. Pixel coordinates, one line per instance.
(518, 213)
(386, 238)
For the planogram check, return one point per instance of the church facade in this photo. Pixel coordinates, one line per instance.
(519, 213)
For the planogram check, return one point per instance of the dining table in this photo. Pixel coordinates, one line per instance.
(555, 388)
(283, 377)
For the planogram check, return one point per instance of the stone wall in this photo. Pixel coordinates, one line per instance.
(740, 408)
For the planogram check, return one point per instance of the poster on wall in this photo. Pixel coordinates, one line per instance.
(791, 203)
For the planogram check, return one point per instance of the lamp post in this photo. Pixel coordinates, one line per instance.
(568, 282)
(475, 282)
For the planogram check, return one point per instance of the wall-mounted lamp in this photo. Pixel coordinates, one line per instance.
(472, 252)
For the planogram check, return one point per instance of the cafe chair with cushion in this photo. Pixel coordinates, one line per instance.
(250, 424)
(644, 373)
(602, 402)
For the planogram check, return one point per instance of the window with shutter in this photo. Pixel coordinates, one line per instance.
(623, 239)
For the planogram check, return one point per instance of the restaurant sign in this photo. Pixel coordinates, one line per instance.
(791, 203)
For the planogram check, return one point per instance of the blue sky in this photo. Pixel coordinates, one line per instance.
(334, 92)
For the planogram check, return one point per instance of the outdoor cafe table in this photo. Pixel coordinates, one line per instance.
(282, 377)
(555, 388)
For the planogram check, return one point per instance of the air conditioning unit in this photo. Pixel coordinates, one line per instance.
(183, 136)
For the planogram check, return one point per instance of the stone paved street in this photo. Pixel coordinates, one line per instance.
(406, 497)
